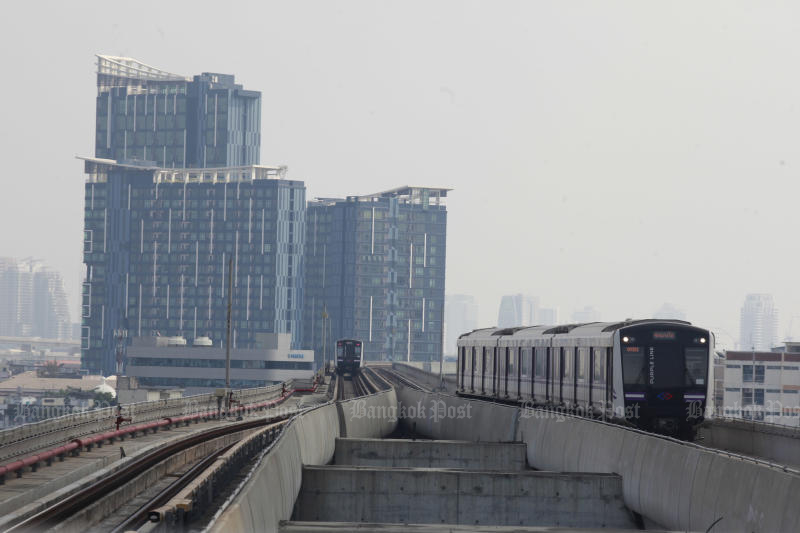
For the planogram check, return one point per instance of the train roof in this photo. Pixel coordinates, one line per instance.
(599, 333)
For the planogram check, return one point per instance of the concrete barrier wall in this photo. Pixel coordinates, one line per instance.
(269, 493)
(676, 485)
(431, 454)
(429, 379)
(779, 444)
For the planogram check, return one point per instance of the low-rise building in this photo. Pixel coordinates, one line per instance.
(764, 385)
(170, 362)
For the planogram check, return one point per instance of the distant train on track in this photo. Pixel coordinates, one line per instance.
(349, 356)
(654, 374)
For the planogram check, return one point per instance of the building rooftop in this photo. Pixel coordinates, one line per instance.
(407, 193)
(30, 383)
(109, 67)
(97, 169)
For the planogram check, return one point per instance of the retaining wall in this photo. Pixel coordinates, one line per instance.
(677, 485)
(269, 493)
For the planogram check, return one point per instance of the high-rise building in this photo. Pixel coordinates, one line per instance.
(517, 310)
(375, 271)
(759, 323)
(669, 312)
(586, 315)
(158, 249)
(460, 316)
(33, 302)
(175, 121)
(546, 316)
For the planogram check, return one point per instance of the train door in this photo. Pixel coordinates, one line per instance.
(472, 374)
(548, 386)
(576, 373)
(561, 361)
(507, 371)
(494, 371)
(483, 370)
(591, 376)
(609, 396)
(462, 370)
(520, 369)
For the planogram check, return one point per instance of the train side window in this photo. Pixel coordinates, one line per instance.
(463, 363)
(525, 363)
(581, 363)
(598, 372)
(566, 371)
(472, 374)
(539, 361)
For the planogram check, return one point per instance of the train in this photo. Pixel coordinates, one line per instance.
(349, 356)
(652, 374)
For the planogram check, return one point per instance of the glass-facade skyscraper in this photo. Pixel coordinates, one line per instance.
(147, 114)
(158, 244)
(375, 271)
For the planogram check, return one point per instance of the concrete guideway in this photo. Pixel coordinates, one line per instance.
(456, 496)
(268, 495)
(673, 484)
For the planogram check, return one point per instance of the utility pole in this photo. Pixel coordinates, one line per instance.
(324, 345)
(228, 340)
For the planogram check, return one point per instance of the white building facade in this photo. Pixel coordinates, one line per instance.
(164, 362)
(763, 386)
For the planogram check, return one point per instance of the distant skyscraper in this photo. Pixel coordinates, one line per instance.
(587, 314)
(547, 316)
(374, 265)
(669, 312)
(33, 301)
(144, 113)
(157, 246)
(517, 310)
(759, 323)
(460, 316)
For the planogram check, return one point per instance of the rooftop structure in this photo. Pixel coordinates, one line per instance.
(147, 114)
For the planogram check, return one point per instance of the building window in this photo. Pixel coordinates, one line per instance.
(747, 396)
(759, 397)
(760, 375)
(747, 373)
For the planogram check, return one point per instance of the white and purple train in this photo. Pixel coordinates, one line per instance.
(653, 374)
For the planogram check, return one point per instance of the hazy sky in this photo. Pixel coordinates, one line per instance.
(614, 154)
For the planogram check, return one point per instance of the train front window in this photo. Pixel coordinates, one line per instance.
(696, 366)
(665, 367)
(633, 367)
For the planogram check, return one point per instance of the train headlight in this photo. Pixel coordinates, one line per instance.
(625, 339)
(702, 340)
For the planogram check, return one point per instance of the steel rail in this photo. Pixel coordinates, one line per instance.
(68, 506)
(140, 517)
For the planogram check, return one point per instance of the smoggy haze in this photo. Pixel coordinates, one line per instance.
(613, 154)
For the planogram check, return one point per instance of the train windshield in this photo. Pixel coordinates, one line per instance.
(696, 366)
(633, 369)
